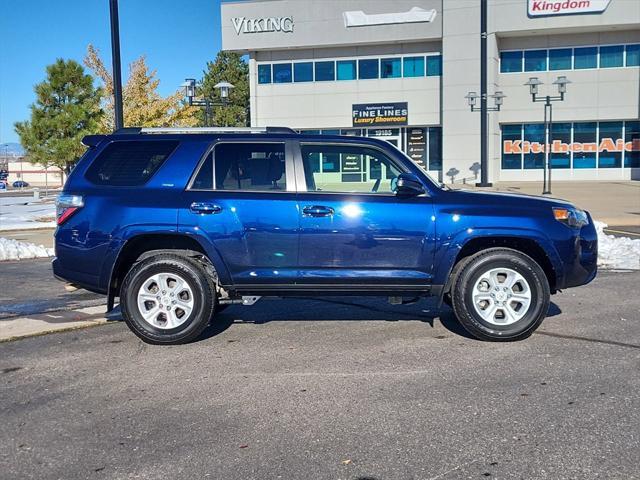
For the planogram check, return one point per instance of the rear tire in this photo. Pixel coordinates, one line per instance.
(168, 299)
(500, 294)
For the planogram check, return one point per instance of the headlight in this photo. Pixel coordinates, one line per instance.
(573, 217)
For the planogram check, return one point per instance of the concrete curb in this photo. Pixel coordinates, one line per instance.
(44, 323)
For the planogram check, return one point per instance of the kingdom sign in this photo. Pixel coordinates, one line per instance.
(538, 8)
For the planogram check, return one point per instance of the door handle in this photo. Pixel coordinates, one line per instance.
(317, 211)
(205, 208)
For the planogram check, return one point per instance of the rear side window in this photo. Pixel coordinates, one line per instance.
(250, 166)
(129, 163)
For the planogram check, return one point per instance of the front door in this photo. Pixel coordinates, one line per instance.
(353, 229)
(242, 201)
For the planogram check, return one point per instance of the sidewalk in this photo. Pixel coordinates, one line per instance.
(614, 203)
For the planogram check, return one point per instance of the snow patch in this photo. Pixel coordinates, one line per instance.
(23, 213)
(619, 253)
(15, 250)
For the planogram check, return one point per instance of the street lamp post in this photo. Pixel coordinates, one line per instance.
(533, 84)
(189, 86)
(498, 99)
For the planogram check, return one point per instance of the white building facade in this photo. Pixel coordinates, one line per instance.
(400, 70)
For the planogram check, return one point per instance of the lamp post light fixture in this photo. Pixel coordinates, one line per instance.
(498, 101)
(189, 86)
(533, 83)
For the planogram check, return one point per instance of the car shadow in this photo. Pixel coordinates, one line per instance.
(345, 309)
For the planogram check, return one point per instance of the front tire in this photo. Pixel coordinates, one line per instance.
(500, 295)
(167, 299)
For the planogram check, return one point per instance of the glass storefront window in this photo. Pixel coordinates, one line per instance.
(611, 56)
(585, 133)
(535, 60)
(346, 70)
(633, 55)
(281, 73)
(413, 67)
(632, 134)
(325, 71)
(510, 62)
(303, 72)
(435, 148)
(560, 138)
(586, 57)
(368, 68)
(511, 161)
(534, 133)
(560, 59)
(434, 65)
(264, 73)
(390, 68)
(610, 132)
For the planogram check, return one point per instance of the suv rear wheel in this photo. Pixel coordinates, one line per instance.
(168, 299)
(500, 294)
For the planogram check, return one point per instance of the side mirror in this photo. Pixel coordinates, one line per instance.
(408, 184)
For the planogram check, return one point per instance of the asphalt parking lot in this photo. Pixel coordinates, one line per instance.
(336, 389)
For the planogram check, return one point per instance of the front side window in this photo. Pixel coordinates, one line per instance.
(510, 62)
(249, 166)
(560, 59)
(535, 60)
(413, 67)
(368, 69)
(282, 73)
(129, 163)
(586, 57)
(390, 68)
(346, 70)
(264, 73)
(360, 169)
(612, 56)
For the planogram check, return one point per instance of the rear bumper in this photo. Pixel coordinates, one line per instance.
(80, 279)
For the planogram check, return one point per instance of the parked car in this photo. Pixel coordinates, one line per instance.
(3, 185)
(20, 184)
(180, 223)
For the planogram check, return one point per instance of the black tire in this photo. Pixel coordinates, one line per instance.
(494, 258)
(199, 281)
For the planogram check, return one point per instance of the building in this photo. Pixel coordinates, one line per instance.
(401, 70)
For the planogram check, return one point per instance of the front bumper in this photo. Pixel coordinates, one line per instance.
(580, 256)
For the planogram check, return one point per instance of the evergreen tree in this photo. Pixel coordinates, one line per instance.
(227, 67)
(67, 108)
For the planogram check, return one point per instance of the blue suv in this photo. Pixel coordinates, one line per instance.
(179, 223)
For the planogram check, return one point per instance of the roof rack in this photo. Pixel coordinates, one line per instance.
(161, 130)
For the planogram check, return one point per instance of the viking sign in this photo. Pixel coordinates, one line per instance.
(379, 114)
(262, 25)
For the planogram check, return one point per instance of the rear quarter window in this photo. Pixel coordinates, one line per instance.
(129, 163)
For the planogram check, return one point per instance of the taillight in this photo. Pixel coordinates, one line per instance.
(66, 206)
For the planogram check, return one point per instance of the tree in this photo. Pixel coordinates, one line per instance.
(143, 106)
(67, 108)
(227, 67)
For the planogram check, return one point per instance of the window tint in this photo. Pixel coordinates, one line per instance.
(609, 131)
(264, 73)
(511, 133)
(633, 55)
(435, 148)
(303, 72)
(368, 68)
(534, 133)
(560, 59)
(586, 57)
(632, 136)
(585, 133)
(282, 73)
(390, 68)
(129, 163)
(559, 134)
(346, 69)
(611, 56)
(413, 66)
(434, 65)
(250, 166)
(360, 169)
(325, 71)
(204, 178)
(535, 60)
(510, 62)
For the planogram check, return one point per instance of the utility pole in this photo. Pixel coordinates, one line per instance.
(484, 140)
(115, 59)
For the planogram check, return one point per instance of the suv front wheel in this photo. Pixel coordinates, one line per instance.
(168, 299)
(500, 294)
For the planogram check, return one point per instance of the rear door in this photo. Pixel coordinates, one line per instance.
(354, 231)
(242, 201)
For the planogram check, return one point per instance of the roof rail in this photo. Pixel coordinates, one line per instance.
(161, 130)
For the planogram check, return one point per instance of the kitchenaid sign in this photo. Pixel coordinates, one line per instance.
(261, 25)
(539, 8)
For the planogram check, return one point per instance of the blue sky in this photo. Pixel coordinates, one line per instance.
(177, 36)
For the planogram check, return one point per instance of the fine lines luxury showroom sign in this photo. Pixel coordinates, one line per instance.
(538, 8)
(380, 114)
